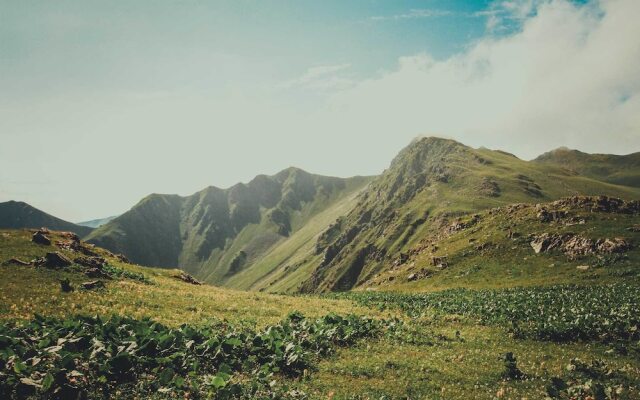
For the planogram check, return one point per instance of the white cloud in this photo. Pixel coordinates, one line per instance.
(412, 14)
(322, 77)
(571, 77)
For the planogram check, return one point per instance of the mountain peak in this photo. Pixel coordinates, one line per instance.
(18, 215)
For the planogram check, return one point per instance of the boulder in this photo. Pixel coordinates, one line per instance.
(53, 260)
(412, 277)
(40, 238)
(183, 276)
(546, 241)
(583, 267)
(578, 246)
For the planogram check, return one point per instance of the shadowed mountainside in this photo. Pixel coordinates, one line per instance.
(18, 215)
(217, 233)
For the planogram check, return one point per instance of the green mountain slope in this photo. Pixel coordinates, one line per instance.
(430, 181)
(18, 215)
(574, 240)
(96, 223)
(217, 234)
(622, 170)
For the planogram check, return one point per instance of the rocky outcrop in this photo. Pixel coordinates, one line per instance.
(598, 204)
(489, 187)
(184, 277)
(575, 246)
(40, 238)
(53, 260)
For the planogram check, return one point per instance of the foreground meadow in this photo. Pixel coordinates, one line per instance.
(147, 334)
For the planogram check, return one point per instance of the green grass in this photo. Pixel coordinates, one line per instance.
(508, 262)
(434, 353)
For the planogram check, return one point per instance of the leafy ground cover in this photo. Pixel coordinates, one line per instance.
(557, 313)
(164, 338)
(91, 356)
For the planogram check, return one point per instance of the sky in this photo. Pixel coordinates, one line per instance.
(105, 102)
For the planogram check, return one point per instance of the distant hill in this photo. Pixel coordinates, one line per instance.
(621, 170)
(216, 233)
(18, 215)
(95, 223)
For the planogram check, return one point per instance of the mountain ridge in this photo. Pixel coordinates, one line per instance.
(216, 232)
(18, 214)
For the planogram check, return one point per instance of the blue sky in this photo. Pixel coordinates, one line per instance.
(102, 103)
(142, 44)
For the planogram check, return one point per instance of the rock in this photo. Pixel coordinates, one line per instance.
(40, 238)
(16, 261)
(599, 204)
(438, 260)
(545, 215)
(404, 257)
(442, 266)
(544, 242)
(483, 246)
(412, 277)
(615, 245)
(92, 285)
(65, 285)
(183, 276)
(578, 246)
(96, 273)
(53, 260)
(71, 236)
(122, 258)
(583, 267)
(90, 262)
(634, 228)
(489, 187)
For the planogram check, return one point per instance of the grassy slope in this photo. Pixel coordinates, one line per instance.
(439, 357)
(17, 215)
(611, 168)
(205, 232)
(276, 270)
(388, 214)
(28, 290)
(508, 262)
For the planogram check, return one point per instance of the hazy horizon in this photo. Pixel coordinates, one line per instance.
(102, 104)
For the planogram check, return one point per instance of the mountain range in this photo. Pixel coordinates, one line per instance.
(299, 232)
